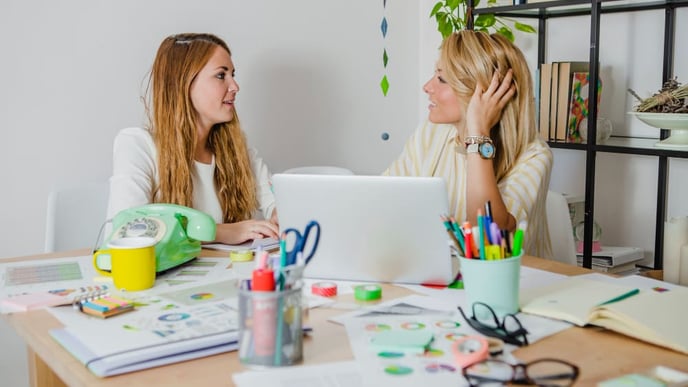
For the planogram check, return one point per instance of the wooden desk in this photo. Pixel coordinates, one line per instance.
(600, 354)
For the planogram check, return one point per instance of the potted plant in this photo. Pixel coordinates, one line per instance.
(453, 15)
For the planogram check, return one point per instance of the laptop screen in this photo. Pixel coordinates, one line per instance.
(373, 228)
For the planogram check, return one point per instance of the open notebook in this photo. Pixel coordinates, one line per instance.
(373, 228)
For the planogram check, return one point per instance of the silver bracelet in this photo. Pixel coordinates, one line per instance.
(476, 140)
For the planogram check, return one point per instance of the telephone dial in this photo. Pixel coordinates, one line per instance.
(178, 231)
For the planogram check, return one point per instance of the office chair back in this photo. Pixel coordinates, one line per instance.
(319, 170)
(75, 215)
(560, 228)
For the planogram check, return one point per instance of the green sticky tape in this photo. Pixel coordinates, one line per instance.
(367, 292)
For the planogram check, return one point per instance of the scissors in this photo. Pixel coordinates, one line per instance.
(301, 240)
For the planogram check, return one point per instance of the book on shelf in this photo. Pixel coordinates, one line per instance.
(614, 255)
(578, 110)
(554, 92)
(544, 100)
(563, 98)
(657, 317)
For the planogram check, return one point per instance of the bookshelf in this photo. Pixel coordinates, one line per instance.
(544, 11)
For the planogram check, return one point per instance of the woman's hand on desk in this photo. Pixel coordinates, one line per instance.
(240, 232)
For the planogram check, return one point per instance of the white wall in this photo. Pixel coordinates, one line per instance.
(72, 74)
(309, 72)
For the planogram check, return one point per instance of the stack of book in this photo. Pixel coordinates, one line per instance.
(618, 260)
(563, 99)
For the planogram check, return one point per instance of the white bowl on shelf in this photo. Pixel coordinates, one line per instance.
(676, 122)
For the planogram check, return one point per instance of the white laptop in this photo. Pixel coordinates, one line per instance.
(373, 228)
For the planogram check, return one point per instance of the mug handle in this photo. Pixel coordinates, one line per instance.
(95, 262)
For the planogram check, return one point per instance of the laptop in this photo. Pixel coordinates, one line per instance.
(373, 228)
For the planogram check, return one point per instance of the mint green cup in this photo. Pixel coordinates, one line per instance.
(495, 283)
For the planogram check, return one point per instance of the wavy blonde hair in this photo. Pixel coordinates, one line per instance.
(470, 57)
(173, 126)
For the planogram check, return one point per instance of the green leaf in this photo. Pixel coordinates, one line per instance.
(452, 4)
(485, 20)
(524, 27)
(446, 29)
(436, 8)
(506, 32)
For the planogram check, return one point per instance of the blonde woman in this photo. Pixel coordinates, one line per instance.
(481, 136)
(194, 152)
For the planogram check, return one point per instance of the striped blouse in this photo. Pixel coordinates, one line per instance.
(433, 151)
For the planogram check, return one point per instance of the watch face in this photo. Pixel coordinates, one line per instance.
(487, 150)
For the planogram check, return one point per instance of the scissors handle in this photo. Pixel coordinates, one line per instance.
(311, 225)
(300, 242)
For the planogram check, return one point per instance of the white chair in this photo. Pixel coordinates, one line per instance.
(320, 170)
(75, 215)
(560, 228)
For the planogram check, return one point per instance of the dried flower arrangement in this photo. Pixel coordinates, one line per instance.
(671, 98)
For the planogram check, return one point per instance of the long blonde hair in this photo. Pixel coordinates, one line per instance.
(173, 125)
(469, 57)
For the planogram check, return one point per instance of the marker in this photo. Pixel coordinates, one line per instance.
(518, 242)
(468, 232)
(264, 312)
(495, 235)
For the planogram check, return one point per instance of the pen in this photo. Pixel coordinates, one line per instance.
(481, 234)
(452, 233)
(459, 233)
(507, 246)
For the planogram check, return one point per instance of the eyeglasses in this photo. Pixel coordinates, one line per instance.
(485, 321)
(541, 372)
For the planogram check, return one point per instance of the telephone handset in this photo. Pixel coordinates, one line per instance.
(178, 231)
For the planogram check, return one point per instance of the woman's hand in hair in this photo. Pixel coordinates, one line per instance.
(485, 107)
(240, 232)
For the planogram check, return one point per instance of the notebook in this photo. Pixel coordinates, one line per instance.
(373, 228)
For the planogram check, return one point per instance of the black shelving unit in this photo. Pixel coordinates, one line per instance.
(624, 145)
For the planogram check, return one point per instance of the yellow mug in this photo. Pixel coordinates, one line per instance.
(132, 262)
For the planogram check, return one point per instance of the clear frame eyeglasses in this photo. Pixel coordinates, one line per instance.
(485, 321)
(541, 372)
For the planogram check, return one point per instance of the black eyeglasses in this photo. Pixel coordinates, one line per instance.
(485, 321)
(541, 372)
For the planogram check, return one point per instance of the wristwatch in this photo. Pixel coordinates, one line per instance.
(485, 148)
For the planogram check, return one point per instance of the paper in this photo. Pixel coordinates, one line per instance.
(339, 374)
(654, 314)
(572, 299)
(33, 284)
(183, 323)
(656, 317)
(265, 244)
